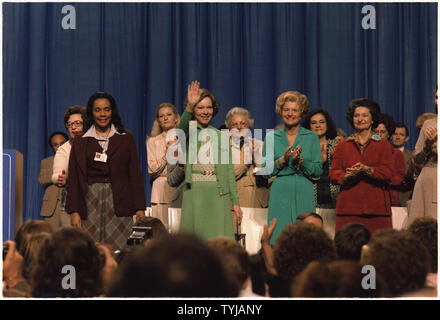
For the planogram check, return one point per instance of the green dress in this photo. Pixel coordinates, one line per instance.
(206, 206)
(291, 192)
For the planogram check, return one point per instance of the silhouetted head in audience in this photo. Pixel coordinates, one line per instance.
(311, 217)
(28, 228)
(297, 246)
(338, 279)
(235, 260)
(69, 265)
(399, 258)
(425, 229)
(175, 266)
(31, 250)
(349, 241)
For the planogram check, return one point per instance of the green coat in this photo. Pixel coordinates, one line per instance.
(206, 207)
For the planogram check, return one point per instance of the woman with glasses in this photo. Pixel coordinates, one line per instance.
(74, 118)
(209, 186)
(105, 187)
(167, 118)
(246, 157)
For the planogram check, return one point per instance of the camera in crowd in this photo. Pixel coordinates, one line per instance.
(139, 235)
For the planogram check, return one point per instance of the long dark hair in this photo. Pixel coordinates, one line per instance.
(331, 128)
(116, 119)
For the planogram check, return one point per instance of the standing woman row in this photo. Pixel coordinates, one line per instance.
(167, 118)
(297, 156)
(105, 187)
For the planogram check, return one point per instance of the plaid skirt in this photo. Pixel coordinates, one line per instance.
(101, 222)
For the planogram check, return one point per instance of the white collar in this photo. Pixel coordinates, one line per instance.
(92, 133)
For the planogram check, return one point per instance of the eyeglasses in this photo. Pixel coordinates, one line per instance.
(241, 124)
(74, 123)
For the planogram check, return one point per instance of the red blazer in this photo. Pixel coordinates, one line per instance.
(369, 195)
(125, 174)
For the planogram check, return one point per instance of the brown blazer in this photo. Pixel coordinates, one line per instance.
(52, 194)
(125, 174)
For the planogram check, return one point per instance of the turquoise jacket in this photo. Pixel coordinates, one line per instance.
(224, 172)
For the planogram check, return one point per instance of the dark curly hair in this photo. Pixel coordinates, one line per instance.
(400, 258)
(388, 122)
(425, 229)
(116, 119)
(68, 246)
(373, 106)
(331, 127)
(298, 245)
(349, 241)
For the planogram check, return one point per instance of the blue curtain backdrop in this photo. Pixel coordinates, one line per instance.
(245, 53)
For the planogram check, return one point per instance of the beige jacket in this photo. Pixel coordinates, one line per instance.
(52, 194)
(249, 194)
(161, 192)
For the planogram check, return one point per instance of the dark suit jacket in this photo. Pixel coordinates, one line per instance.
(125, 175)
(52, 194)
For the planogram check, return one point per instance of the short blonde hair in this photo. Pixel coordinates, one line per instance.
(241, 111)
(292, 96)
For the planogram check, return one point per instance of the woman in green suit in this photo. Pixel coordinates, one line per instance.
(296, 156)
(209, 187)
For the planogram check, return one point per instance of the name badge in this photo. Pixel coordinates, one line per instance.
(101, 157)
